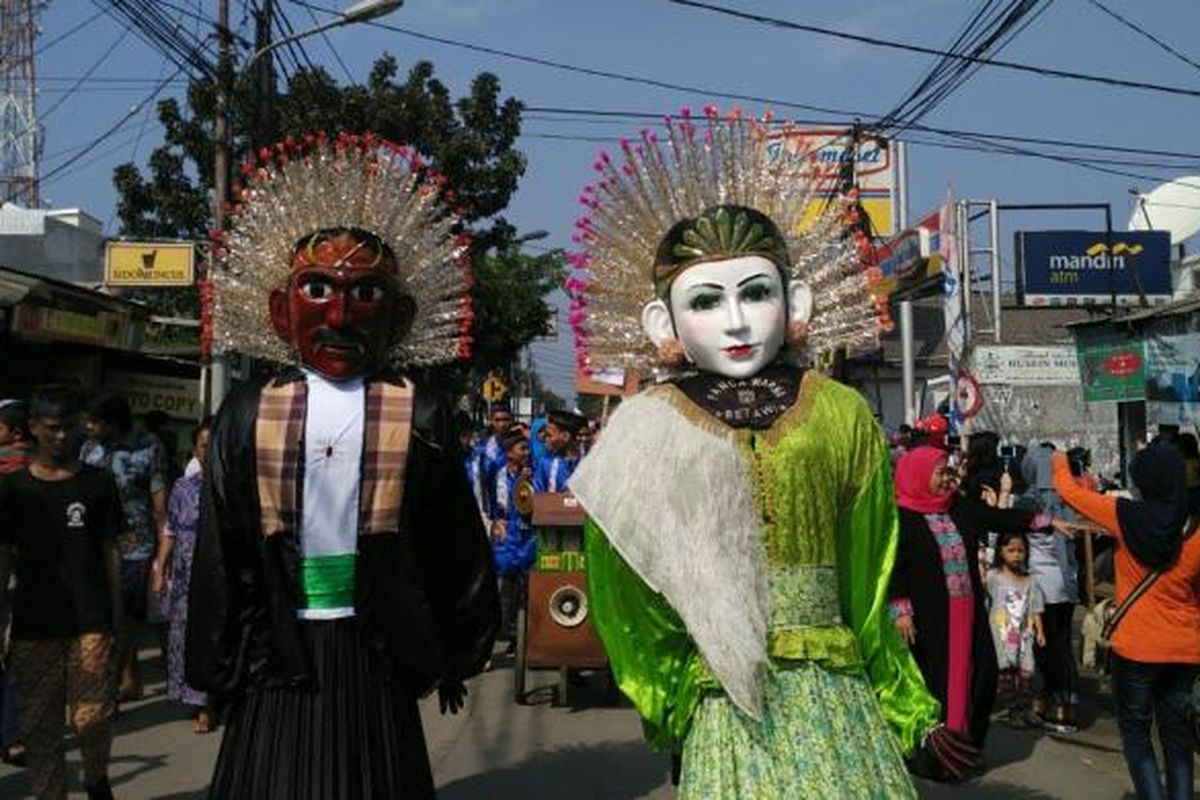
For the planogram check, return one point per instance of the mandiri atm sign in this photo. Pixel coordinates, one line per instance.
(149, 263)
(1064, 268)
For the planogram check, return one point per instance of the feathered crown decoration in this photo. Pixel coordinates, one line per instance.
(299, 187)
(722, 161)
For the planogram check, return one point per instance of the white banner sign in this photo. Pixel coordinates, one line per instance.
(176, 397)
(1017, 365)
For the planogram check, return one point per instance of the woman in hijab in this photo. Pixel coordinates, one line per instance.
(984, 469)
(1156, 645)
(936, 597)
(1053, 565)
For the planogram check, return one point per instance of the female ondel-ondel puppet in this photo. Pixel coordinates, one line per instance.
(341, 569)
(741, 519)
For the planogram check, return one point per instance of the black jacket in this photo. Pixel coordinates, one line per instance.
(918, 576)
(425, 595)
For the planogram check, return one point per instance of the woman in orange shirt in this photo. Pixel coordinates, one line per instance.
(1156, 648)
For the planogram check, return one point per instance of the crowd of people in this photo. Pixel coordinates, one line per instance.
(987, 580)
(94, 467)
(98, 538)
(542, 456)
(984, 588)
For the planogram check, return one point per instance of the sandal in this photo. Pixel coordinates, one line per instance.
(204, 722)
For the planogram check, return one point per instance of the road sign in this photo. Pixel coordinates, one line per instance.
(149, 263)
(968, 400)
(494, 390)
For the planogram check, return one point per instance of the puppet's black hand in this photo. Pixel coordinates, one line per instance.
(952, 752)
(451, 695)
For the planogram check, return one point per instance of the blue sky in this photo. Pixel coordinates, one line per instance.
(686, 46)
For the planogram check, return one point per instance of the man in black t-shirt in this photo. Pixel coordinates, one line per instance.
(59, 521)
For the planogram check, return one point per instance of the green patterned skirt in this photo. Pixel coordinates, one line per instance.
(822, 735)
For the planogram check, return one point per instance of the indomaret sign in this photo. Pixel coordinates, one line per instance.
(149, 263)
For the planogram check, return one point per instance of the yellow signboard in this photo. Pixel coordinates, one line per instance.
(149, 264)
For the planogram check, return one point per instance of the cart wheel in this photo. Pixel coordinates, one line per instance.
(519, 660)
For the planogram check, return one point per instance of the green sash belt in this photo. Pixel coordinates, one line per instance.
(328, 581)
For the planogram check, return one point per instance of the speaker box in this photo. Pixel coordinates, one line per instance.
(559, 627)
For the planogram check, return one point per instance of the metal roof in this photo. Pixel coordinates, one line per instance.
(1187, 305)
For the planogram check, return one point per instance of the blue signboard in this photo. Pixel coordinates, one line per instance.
(1059, 268)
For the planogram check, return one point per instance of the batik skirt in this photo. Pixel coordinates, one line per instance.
(355, 735)
(822, 735)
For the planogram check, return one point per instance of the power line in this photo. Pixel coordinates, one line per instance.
(1144, 33)
(190, 54)
(595, 73)
(276, 58)
(112, 129)
(90, 70)
(54, 92)
(915, 48)
(67, 34)
(948, 75)
(977, 148)
(571, 138)
(199, 17)
(976, 138)
(329, 43)
(102, 79)
(98, 157)
(992, 148)
(287, 30)
(609, 116)
(72, 148)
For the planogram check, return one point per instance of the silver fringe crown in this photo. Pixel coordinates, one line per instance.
(353, 181)
(722, 160)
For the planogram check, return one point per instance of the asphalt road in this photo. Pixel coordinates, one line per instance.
(586, 749)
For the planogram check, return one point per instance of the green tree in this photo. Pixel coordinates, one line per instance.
(508, 294)
(470, 140)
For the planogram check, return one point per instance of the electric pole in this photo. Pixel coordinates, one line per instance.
(264, 132)
(219, 376)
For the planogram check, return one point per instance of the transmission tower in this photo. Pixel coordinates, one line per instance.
(18, 106)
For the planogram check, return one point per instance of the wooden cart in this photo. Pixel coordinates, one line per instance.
(554, 630)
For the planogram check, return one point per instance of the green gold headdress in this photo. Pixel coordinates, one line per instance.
(726, 188)
(716, 234)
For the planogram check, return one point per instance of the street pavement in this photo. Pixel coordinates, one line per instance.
(586, 749)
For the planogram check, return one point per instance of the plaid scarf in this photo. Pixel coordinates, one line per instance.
(279, 454)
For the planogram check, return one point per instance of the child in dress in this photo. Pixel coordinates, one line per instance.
(1015, 611)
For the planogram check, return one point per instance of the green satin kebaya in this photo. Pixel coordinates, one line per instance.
(819, 486)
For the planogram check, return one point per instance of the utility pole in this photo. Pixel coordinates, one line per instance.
(219, 375)
(908, 371)
(265, 129)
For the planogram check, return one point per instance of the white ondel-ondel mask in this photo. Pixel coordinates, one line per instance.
(731, 316)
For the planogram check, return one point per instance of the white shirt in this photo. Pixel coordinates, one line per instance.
(333, 445)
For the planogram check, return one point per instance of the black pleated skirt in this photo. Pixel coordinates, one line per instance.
(355, 736)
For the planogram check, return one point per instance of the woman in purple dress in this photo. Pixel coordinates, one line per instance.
(173, 573)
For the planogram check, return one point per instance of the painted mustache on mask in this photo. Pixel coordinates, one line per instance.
(343, 339)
